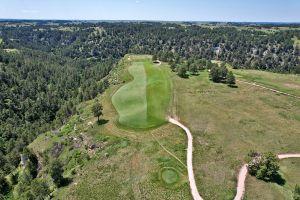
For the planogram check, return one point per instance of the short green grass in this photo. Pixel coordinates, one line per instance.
(169, 175)
(143, 102)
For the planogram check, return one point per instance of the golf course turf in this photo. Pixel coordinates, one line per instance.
(143, 102)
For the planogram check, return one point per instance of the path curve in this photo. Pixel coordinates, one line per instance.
(244, 171)
(192, 181)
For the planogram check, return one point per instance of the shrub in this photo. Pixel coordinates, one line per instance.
(264, 167)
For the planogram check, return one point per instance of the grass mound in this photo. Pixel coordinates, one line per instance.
(143, 102)
(169, 176)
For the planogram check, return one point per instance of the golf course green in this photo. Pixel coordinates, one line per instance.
(143, 103)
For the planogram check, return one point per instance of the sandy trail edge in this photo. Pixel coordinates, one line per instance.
(192, 181)
(244, 171)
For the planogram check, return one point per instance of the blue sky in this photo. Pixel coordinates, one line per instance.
(169, 10)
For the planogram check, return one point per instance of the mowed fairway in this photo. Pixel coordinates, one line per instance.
(143, 102)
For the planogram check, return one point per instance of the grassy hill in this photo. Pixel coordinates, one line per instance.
(226, 124)
(125, 164)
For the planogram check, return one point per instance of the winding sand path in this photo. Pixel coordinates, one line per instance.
(192, 181)
(244, 171)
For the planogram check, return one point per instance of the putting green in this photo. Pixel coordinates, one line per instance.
(143, 102)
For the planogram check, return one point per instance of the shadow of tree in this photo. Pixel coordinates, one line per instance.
(66, 182)
(102, 121)
(233, 86)
(278, 179)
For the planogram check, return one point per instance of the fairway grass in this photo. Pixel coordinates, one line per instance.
(143, 102)
(130, 100)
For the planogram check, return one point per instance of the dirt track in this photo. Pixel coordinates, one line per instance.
(242, 174)
(192, 181)
(244, 171)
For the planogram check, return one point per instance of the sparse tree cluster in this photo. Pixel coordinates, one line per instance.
(221, 74)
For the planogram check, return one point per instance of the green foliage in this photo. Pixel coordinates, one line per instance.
(221, 74)
(214, 74)
(297, 193)
(39, 189)
(264, 167)
(3, 184)
(56, 172)
(97, 110)
(182, 72)
(230, 78)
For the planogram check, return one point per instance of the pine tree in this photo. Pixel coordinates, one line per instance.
(230, 78)
(182, 72)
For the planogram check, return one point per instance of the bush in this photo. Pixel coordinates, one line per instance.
(56, 172)
(297, 193)
(39, 189)
(3, 184)
(182, 72)
(264, 167)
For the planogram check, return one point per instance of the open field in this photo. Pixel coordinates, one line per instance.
(229, 122)
(143, 102)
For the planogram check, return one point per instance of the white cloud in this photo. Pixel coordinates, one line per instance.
(137, 1)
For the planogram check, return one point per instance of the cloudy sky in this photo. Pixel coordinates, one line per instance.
(169, 10)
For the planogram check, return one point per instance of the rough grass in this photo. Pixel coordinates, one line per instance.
(229, 122)
(257, 189)
(143, 102)
(288, 83)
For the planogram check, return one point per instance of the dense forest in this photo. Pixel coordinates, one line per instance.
(47, 67)
(259, 47)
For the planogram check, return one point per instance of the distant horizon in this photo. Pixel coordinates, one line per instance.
(142, 20)
(274, 11)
